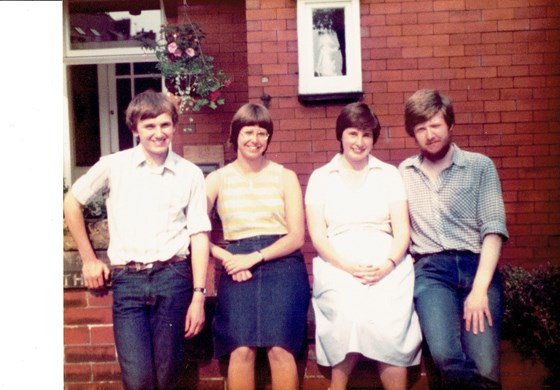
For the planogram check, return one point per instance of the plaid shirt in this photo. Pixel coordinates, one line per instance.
(459, 209)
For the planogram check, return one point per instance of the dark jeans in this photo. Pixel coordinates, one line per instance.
(464, 360)
(149, 309)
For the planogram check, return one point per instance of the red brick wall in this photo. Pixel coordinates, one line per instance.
(497, 59)
(499, 62)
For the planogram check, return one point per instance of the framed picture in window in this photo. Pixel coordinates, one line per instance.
(329, 50)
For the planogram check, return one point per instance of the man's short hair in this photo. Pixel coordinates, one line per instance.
(423, 105)
(150, 104)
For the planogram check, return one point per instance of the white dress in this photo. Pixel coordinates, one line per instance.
(377, 321)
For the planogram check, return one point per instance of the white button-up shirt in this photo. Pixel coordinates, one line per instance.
(152, 211)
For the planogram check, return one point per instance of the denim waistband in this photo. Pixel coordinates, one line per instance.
(139, 266)
(452, 252)
(257, 238)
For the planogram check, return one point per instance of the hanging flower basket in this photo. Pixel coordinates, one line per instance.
(189, 74)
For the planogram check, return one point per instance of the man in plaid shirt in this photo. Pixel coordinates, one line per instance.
(457, 230)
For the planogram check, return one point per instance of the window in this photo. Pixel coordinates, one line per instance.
(102, 28)
(105, 66)
(329, 50)
(99, 96)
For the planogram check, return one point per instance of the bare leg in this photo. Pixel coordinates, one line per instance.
(283, 369)
(341, 372)
(241, 369)
(392, 377)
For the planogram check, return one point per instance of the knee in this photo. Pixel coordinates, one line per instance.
(243, 355)
(279, 355)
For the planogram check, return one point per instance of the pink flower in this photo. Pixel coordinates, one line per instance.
(178, 53)
(227, 83)
(190, 52)
(172, 47)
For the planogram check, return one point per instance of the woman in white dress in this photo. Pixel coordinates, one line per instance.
(329, 61)
(363, 279)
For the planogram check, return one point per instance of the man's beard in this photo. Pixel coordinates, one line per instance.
(434, 157)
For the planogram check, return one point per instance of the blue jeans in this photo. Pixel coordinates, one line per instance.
(149, 309)
(443, 282)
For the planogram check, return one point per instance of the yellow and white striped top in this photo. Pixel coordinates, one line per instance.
(251, 206)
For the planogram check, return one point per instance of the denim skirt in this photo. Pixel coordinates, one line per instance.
(270, 309)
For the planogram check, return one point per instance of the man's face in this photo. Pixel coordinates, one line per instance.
(433, 137)
(155, 136)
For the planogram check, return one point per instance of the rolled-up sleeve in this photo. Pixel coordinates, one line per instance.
(197, 215)
(491, 210)
(92, 183)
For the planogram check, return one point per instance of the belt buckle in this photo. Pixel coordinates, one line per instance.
(142, 266)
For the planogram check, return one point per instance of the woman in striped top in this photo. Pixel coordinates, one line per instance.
(263, 295)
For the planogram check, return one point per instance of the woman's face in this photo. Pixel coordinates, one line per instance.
(252, 141)
(356, 144)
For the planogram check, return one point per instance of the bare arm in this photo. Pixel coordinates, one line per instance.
(293, 203)
(401, 229)
(95, 271)
(476, 305)
(217, 252)
(199, 259)
(293, 240)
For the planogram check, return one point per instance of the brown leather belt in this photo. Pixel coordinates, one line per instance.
(138, 266)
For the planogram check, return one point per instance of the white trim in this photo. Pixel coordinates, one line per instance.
(309, 83)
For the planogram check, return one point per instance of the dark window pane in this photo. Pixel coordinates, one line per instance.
(145, 68)
(144, 83)
(87, 143)
(122, 69)
(124, 96)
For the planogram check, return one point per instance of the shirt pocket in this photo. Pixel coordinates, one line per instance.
(463, 201)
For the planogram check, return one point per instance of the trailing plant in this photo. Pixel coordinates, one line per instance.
(532, 313)
(189, 74)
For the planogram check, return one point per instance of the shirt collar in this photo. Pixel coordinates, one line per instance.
(139, 159)
(335, 165)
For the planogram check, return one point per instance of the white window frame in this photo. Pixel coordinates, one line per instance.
(309, 84)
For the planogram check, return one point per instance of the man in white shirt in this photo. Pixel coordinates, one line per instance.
(158, 247)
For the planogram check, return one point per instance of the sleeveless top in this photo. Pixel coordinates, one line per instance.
(252, 206)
